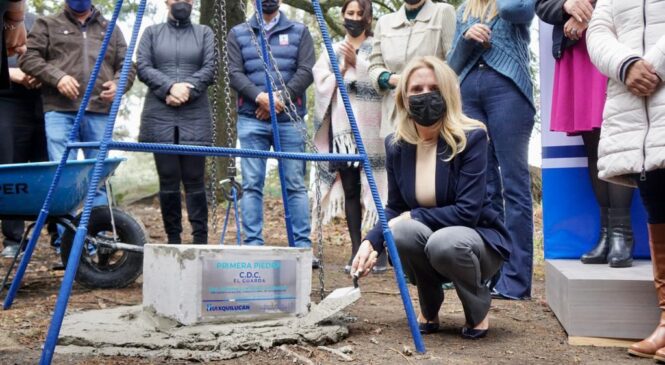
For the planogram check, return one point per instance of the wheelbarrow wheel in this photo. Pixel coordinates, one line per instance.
(103, 267)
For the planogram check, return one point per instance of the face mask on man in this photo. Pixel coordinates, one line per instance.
(428, 108)
(181, 10)
(354, 27)
(269, 6)
(79, 6)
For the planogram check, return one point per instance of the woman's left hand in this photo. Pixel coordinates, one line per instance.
(365, 260)
(573, 29)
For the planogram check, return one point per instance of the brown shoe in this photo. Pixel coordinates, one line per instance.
(649, 346)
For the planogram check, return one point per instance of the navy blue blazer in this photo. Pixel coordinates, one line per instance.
(461, 192)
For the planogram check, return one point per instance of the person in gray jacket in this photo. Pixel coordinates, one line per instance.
(176, 61)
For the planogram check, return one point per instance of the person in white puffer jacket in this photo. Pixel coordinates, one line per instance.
(626, 42)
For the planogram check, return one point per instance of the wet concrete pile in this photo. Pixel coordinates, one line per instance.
(138, 332)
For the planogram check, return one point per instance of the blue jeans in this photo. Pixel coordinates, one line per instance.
(58, 126)
(495, 100)
(257, 135)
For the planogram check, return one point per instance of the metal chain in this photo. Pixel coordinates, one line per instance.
(292, 113)
(220, 53)
(212, 166)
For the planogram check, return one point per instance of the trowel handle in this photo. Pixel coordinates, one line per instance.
(355, 277)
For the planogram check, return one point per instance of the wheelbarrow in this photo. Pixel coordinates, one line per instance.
(112, 255)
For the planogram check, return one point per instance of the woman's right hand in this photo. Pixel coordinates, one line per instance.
(365, 259)
(348, 53)
(180, 91)
(479, 32)
(394, 80)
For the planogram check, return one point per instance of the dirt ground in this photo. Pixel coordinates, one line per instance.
(524, 332)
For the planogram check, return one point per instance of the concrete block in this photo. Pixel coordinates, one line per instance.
(599, 301)
(212, 283)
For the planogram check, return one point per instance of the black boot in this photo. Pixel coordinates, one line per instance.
(621, 238)
(598, 255)
(197, 210)
(169, 202)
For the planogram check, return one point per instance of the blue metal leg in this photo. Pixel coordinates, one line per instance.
(235, 211)
(27, 255)
(390, 243)
(65, 290)
(79, 238)
(275, 127)
(226, 223)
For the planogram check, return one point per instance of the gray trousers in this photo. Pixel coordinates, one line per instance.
(456, 254)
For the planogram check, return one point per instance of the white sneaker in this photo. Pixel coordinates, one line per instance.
(9, 251)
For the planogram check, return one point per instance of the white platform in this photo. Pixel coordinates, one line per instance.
(212, 283)
(599, 301)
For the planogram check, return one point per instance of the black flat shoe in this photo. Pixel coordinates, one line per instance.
(473, 334)
(427, 328)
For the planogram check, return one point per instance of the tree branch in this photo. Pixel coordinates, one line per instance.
(305, 5)
(384, 5)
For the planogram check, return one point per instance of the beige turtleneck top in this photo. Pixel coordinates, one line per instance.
(426, 173)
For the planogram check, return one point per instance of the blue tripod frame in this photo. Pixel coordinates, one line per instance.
(107, 144)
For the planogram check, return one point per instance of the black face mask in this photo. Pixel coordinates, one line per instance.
(269, 6)
(181, 11)
(428, 108)
(412, 2)
(354, 27)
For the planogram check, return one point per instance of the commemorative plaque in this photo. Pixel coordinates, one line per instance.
(241, 284)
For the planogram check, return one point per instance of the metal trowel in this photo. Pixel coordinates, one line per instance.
(334, 303)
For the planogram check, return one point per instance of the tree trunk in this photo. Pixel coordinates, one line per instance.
(225, 111)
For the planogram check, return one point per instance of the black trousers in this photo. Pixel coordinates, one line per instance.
(22, 139)
(173, 169)
(652, 192)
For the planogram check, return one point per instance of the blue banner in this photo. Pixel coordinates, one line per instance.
(571, 222)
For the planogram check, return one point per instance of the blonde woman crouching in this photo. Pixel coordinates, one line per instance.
(438, 207)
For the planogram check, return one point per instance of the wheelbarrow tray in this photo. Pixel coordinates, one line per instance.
(23, 187)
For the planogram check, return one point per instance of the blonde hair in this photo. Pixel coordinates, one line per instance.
(485, 10)
(454, 123)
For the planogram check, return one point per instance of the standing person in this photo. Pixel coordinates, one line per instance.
(417, 28)
(344, 184)
(176, 60)
(62, 49)
(491, 56)
(22, 138)
(293, 51)
(626, 41)
(446, 233)
(577, 109)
